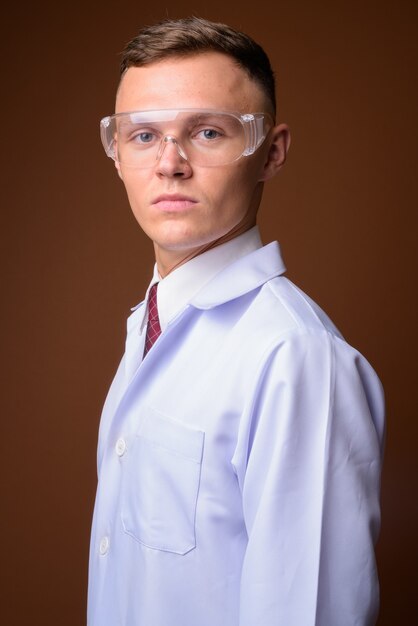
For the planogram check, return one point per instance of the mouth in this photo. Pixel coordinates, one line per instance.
(173, 202)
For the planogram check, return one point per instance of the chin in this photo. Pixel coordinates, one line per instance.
(176, 237)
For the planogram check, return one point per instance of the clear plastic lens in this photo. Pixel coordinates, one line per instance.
(203, 137)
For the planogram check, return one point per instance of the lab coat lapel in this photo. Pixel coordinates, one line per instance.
(239, 278)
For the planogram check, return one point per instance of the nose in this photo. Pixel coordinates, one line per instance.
(172, 160)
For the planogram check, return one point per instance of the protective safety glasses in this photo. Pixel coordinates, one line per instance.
(203, 137)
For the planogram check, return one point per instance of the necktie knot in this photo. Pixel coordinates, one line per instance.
(153, 326)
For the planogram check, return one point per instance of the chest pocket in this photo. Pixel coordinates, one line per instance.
(161, 484)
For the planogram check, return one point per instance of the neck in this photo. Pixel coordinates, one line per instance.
(169, 260)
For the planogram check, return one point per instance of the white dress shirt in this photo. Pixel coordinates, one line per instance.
(178, 288)
(239, 461)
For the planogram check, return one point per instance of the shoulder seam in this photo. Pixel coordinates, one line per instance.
(299, 296)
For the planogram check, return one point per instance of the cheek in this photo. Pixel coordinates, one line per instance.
(135, 187)
(239, 185)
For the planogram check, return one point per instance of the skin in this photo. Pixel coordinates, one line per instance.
(202, 206)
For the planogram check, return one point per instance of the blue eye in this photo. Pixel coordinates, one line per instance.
(209, 133)
(144, 137)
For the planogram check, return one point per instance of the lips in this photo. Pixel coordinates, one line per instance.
(174, 202)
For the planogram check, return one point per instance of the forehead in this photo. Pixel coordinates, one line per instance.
(207, 80)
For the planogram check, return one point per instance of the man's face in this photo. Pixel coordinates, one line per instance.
(183, 208)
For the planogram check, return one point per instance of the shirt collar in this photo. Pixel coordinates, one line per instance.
(195, 282)
(178, 288)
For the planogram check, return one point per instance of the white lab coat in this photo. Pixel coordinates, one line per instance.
(239, 466)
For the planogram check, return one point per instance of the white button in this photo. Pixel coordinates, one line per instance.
(104, 546)
(120, 447)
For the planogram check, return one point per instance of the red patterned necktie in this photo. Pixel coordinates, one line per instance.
(153, 326)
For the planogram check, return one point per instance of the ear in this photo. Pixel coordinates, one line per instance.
(117, 165)
(278, 147)
(115, 152)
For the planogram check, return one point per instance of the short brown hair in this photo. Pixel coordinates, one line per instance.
(194, 35)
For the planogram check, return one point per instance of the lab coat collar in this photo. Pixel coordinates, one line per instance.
(242, 276)
(179, 287)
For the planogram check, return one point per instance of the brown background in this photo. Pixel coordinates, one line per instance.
(74, 261)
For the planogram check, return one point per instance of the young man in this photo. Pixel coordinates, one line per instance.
(240, 443)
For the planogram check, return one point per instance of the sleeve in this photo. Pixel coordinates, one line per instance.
(309, 469)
